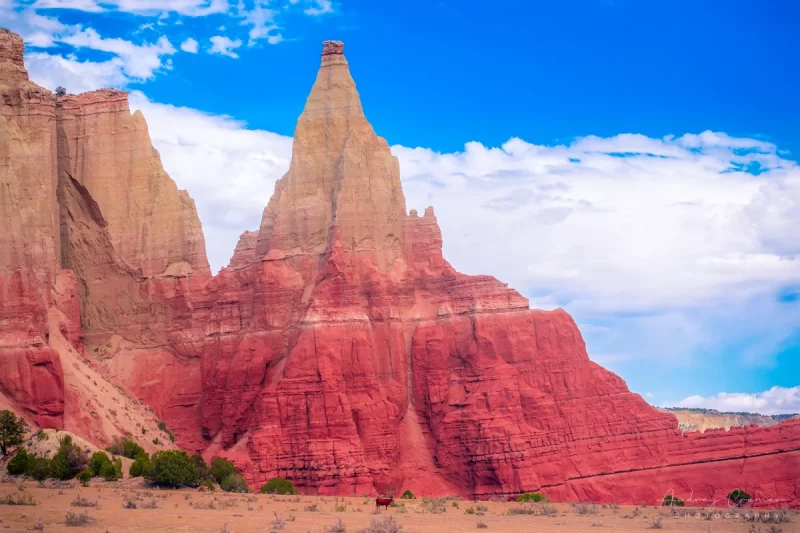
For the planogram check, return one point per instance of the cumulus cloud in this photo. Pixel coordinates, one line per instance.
(261, 18)
(91, 6)
(189, 45)
(626, 223)
(51, 71)
(224, 46)
(319, 7)
(192, 8)
(140, 62)
(775, 401)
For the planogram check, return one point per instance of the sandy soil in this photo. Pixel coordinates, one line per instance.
(184, 511)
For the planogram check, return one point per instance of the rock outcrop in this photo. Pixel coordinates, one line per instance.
(339, 348)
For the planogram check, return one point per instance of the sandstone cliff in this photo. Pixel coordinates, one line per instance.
(703, 419)
(339, 348)
(75, 171)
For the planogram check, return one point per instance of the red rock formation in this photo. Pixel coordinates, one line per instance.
(348, 355)
(339, 348)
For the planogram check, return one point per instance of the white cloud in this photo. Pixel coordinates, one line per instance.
(224, 46)
(671, 225)
(262, 19)
(192, 8)
(50, 71)
(319, 7)
(91, 6)
(775, 401)
(189, 45)
(140, 61)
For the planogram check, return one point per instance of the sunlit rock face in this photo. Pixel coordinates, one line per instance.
(338, 349)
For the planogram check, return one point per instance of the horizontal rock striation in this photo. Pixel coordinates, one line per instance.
(339, 348)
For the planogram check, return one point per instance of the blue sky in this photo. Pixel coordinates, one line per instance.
(634, 162)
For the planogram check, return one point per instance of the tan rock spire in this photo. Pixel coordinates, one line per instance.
(343, 183)
(12, 67)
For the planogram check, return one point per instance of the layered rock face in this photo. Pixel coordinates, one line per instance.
(338, 349)
(92, 229)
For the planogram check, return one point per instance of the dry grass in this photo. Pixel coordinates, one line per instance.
(336, 527)
(78, 519)
(387, 524)
(18, 498)
(80, 501)
(585, 509)
(777, 516)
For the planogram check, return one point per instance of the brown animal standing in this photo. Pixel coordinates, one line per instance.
(386, 502)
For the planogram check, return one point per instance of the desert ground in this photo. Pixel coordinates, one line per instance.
(108, 506)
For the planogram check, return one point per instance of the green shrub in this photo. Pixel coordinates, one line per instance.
(59, 467)
(38, 467)
(532, 497)
(68, 460)
(97, 461)
(209, 484)
(31, 464)
(203, 472)
(408, 495)
(672, 501)
(171, 468)
(139, 466)
(125, 447)
(12, 430)
(84, 476)
(109, 472)
(234, 483)
(221, 468)
(278, 485)
(117, 462)
(737, 496)
(18, 464)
